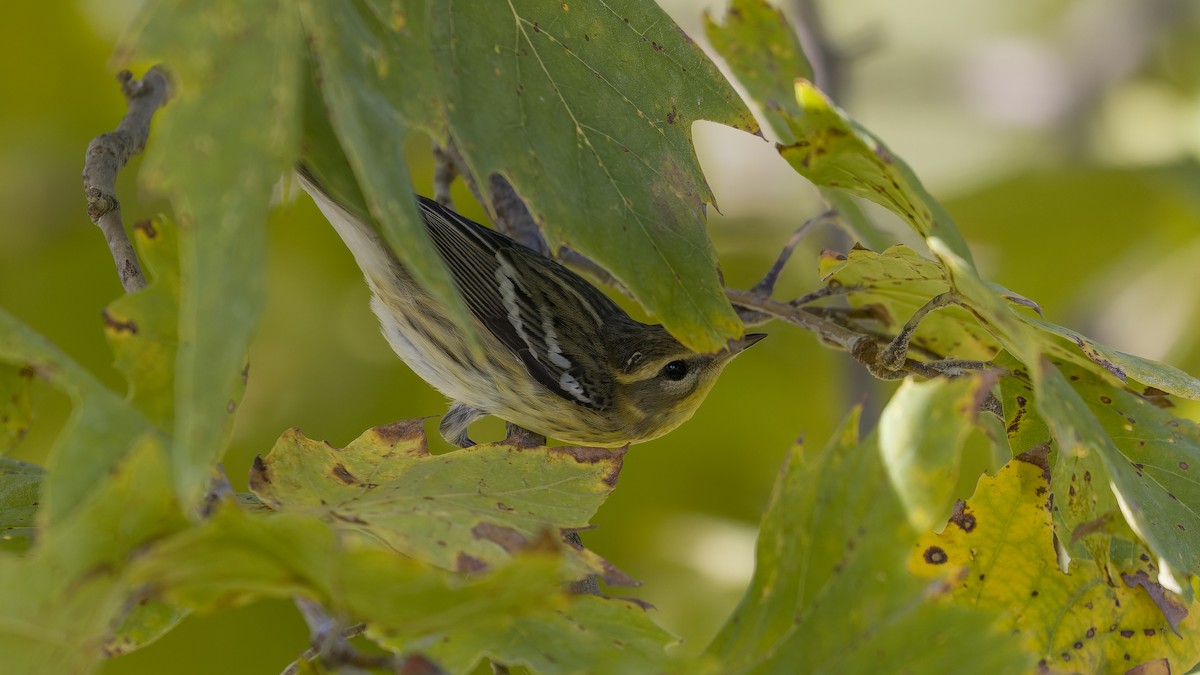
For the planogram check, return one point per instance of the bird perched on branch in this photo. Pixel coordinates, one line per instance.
(559, 357)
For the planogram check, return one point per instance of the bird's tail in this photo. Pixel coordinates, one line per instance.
(371, 253)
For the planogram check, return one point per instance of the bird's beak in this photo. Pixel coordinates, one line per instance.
(749, 340)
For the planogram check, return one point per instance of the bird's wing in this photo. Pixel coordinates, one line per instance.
(548, 316)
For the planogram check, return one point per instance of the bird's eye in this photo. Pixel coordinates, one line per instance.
(675, 370)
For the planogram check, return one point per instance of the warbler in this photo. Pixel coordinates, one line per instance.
(559, 359)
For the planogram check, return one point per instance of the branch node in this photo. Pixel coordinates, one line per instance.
(108, 153)
(895, 354)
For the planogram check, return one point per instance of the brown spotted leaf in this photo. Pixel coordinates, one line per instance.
(16, 408)
(235, 558)
(20, 484)
(1147, 457)
(1084, 508)
(1124, 366)
(830, 592)
(465, 510)
(1002, 559)
(142, 327)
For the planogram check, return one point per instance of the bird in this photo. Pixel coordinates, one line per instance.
(559, 358)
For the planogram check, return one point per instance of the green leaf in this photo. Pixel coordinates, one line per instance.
(16, 408)
(998, 553)
(465, 510)
(765, 54)
(992, 304)
(219, 167)
(234, 558)
(141, 327)
(375, 74)
(100, 432)
(763, 51)
(587, 109)
(20, 484)
(145, 623)
(1124, 366)
(592, 634)
(830, 591)
(59, 603)
(921, 435)
(834, 151)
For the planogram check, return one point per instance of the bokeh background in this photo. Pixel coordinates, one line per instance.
(1061, 134)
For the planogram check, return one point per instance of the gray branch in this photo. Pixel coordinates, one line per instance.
(867, 349)
(108, 153)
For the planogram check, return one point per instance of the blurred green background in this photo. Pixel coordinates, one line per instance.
(1062, 135)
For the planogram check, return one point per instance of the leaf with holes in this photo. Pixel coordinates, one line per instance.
(998, 553)
(587, 109)
(465, 510)
(830, 591)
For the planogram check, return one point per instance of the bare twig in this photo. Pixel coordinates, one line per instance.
(897, 351)
(455, 165)
(827, 331)
(108, 153)
(866, 348)
(444, 173)
(513, 218)
(829, 60)
(219, 489)
(767, 285)
(512, 215)
(330, 645)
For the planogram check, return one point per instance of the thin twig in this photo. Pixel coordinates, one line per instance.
(897, 351)
(513, 218)
(866, 348)
(767, 285)
(108, 153)
(444, 173)
(458, 164)
(828, 62)
(512, 215)
(219, 489)
(828, 332)
(331, 646)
